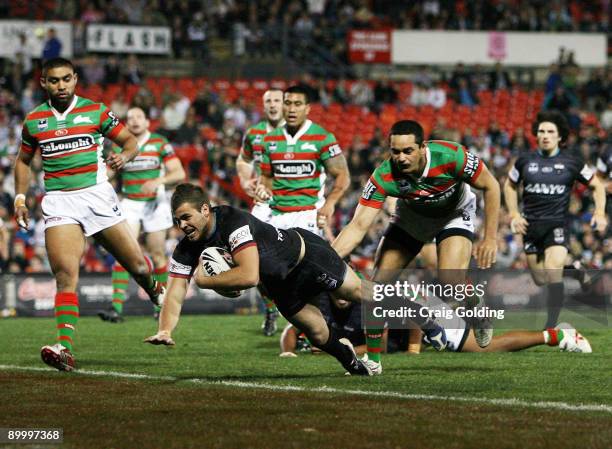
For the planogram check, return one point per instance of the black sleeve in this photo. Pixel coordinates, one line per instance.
(238, 230)
(515, 173)
(183, 261)
(584, 173)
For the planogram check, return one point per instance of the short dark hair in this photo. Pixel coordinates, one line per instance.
(299, 89)
(188, 193)
(55, 63)
(555, 117)
(405, 127)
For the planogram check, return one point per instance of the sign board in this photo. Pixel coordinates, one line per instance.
(370, 46)
(128, 39)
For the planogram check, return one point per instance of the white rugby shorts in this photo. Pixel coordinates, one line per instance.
(94, 208)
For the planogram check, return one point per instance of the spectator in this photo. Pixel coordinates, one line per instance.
(361, 94)
(341, 94)
(197, 34)
(120, 106)
(499, 78)
(436, 95)
(112, 71)
(53, 46)
(464, 94)
(133, 74)
(418, 95)
(384, 92)
(23, 57)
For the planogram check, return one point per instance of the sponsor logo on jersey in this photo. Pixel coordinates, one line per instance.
(273, 146)
(289, 156)
(61, 132)
(142, 163)
(368, 191)
(114, 119)
(547, 169)
(178, 268)
(327, 280)
(533, 167)
(334, 150)
(546, 189)
(308, 147)
(66, 144)
(559, 166)
(257, 139)
(294, 169)
(471, 165)
(240, 236)
(81, 119)
(43, 124)
(559, 235)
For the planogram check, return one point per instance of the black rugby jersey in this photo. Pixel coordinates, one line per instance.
(547, 183)
(234, 231)
(604, 163)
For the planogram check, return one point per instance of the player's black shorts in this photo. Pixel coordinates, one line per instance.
(320, 270)
(543, 234)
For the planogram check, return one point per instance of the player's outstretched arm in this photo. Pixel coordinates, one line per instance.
(518, 223)
(175, 173)
(244, 168)
(355, 231)
(600, 220)
(129, 144)
(338, 168)
(22, 181)
(171, 311)
(486, 251)
(244, 275)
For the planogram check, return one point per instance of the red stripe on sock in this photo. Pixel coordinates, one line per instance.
(64, 326)
(161, 270)
(118, 301)
(65, 337)
(117, 267)
(554, 337)
(374, 350)
(121, 281)
(66, 312)
(149, 263)
(66, 299)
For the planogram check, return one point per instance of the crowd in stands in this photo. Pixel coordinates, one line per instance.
(487, 109)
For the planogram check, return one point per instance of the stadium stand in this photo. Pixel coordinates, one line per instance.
(205, 117)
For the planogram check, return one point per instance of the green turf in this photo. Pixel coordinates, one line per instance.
(215, 348)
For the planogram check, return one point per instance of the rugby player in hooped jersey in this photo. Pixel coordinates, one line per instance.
(431, 180)
(79, 202)
(548, 176)
(293, 266)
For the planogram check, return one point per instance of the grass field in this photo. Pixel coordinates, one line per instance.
(223, 385)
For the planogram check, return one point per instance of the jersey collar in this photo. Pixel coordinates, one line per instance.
(552, 154)
(270, 128)
(144, 138)
(293, 140)
(61, 116)
(427, 165)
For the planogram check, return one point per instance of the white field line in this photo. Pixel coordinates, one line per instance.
(520, 403)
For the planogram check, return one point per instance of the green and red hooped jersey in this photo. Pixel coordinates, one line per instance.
(71, 142)
(438, 191)
(296, 165)
(252, 143)
(148, 164)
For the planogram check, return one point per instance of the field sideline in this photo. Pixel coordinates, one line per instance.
(224, 385)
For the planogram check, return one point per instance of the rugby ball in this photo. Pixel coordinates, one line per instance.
(216, 260)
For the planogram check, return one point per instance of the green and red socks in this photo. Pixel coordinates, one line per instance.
(120, 279)
(373, 343)
(160, 274)
(269, 305)
(552, 337)
(66, 317)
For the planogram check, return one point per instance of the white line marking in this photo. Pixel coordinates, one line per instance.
(513, 402)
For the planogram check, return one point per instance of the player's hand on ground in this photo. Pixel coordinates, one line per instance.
(262, 193)
(160, 339)
(519, 225)
(486, 253)
(115, 161)
(150, 186)
(324, 215)
(22, 215)
(599, 222)
(250, 187)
